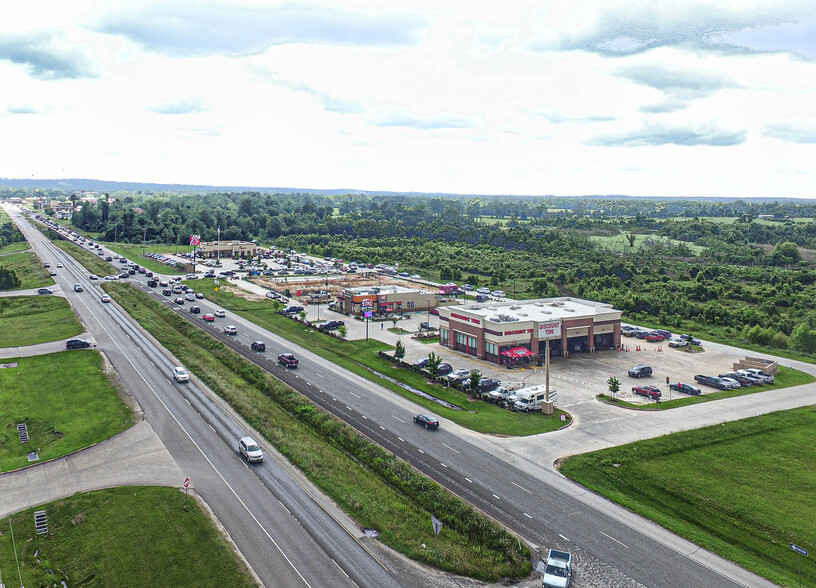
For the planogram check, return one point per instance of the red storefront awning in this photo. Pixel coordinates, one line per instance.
(518, 352)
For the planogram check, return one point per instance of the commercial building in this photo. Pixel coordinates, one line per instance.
(233, 249)
(382, 300)
(505, 332)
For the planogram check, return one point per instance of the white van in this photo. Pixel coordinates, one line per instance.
(531, 398)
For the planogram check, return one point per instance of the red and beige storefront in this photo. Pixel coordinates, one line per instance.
(521, 332)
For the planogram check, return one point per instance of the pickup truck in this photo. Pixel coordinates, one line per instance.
(288, 360)
(558, 570)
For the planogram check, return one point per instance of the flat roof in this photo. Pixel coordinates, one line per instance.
(387, 289)
(544, 309)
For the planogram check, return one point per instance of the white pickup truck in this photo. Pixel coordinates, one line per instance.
(558, 570)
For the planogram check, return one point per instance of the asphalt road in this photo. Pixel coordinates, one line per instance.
(287, 537)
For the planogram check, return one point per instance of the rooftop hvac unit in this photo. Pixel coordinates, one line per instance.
(569, 309)
(539, 303)
(514, 307)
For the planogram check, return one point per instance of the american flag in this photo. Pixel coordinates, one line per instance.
(195, 239)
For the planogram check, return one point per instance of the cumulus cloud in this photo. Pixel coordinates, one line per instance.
(792, 131)
(182, 106)
(22, 109)
(190, 29)
(652, 135)
(48, 57)
(558, 118)
(394, 117)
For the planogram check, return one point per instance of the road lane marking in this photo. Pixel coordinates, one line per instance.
(469, 480)
(353, 394)
(399, 419)
(522, 487)
(383, 428)
(496, 497)
(401, 439)
(615, 540)
(526, 515)
(321, 375)
(442, 464)
(422, 452)
(451, 448)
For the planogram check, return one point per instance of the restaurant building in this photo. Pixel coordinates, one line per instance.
(231, 249)
(505, 332)
(382, 300)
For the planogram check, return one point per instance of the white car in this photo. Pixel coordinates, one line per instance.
(220, 313)
(250, 450)
(732, 383)
(231, 330)
(768, 379)
(498, 293)
(190, 295)
(180, 374)
(677, 342)
(105, 298)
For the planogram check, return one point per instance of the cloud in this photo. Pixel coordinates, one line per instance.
(22, 109)
(183, 106)
(653, 135)
(401, 118)
(679, 83)
(47, 57)
(621, 28)
(341, 106)
(792, 131)
(190, 29)
(558, 118)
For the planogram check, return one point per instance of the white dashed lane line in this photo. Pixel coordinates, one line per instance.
(469, 480)
(528, 516)
(355, 395)
(451, 448)
(522, 487)
(399, 419)
(613, 539)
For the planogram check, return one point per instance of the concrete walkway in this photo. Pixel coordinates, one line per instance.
(135, 457)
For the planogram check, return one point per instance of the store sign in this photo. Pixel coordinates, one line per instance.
(521, 332)
(465, 318)
(549, 329)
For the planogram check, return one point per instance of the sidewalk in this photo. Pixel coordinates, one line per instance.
(135, 457)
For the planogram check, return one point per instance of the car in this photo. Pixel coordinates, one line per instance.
(59, 265)
(180, 374)
(289, 310)
(190, 296)
(220, 313)
(231, 330)
(768, 378)
(488, 385)
(208, 317)
(434, 311)
(734, 383)
(628, 331)
(105, 298)
(149, 274)
(164, 283)
(77, 343)
(123, 275)
(46, 264)
(179, 300)
(100, 253)
(482, 297)
(677, 343)
(45, 291)
(666, 334)
(426, 326)
(426, 420)
(742, 379)
(93, 277)
(258, 346)
(416, 277)
(167, 292)
(641, 333)
(654, 337)
(498, 293)
(460, 375)
(483, 290)
(110, 277)
(141, 270)
(331, 325)
(251, 451)
(53, 273)
(78, 288)
(108, 258)
(648, 391)
(199, 296)
(689, 389)
(288, 360)
(421, 363)
(640, 371)
(195, 309)
(712, 381)
(444, 369)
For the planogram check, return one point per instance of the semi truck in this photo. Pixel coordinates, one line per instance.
(558, 571)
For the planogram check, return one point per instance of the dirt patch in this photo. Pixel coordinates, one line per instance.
(241, 293)
(309, 284)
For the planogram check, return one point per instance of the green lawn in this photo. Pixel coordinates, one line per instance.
(740, 489)
(14, 248)
(29, 269)
(93, 263)
(134, 253)
(124, 537)
(354, 355)
(376, 489)
(67, 402)
(28, 320)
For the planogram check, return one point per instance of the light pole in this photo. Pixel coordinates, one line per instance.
(144, 238)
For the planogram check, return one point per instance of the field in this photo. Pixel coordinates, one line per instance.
(125, 537)
(134, 253)
(29, 269)
(619, 242)
(28, 320)
(14, 248)
(93, 263)
(64, 414)
(740, 489)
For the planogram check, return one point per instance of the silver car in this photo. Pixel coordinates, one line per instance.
(250, 450)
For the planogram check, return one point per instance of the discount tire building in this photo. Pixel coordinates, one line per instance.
(506, 332)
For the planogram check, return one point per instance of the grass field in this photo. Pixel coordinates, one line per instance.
(29, 269)
(14, 248)
(124, 537)
(93, 263)
(28, 320)
(619, 242)
(375, 488)
(740, 489)
(67, 402)
(134, 253)
(353, 355)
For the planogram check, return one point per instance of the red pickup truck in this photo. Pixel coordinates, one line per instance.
(288, 360)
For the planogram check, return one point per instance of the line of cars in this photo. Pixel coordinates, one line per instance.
(659, 335)
(725, 381)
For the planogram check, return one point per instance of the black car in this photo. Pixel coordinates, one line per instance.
(292, 310)
(444, 369)
(427, 421)
(640, 371)
(690, 389)
(710, 381)
(488, 385)
(195, 310)
(426, 326)
(45, 291)
(167, 292)
(331, 325)
(258, 346)
(77, 343)
(123, 275)
(421, 363)
(179, 300)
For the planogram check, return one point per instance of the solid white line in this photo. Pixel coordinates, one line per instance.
(364, 416)
(615, 540)
(451, 448)
(348, 407)
(399, 419)
(526, 515)
(564, 538)
(338, 567)
(522, 487)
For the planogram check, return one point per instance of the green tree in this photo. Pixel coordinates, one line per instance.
(399, 351)
(473, 381)
(433, 364)
(786, 253)
(803, 338)
(614, 385)
(9, 280)
(342, 330)
(780, 340)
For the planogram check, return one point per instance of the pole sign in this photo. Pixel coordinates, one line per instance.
(186, 482)
(367, 304)
(368, 314)
(798, 549)
(549, 329)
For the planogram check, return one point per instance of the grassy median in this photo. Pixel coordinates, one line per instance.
(124, 537)
(370, 484)
(28, 320)
(741, 489)
(65, 399)
(29, 269)
(356, 356)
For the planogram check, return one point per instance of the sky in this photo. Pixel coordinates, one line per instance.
(642, 98)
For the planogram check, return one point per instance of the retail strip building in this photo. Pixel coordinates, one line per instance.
(502, 332)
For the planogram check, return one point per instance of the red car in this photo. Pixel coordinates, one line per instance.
(208, 317)
(288, 360)
(648, 391)
(654, 337)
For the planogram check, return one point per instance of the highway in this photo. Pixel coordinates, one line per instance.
(287, 537)
(610, 545)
